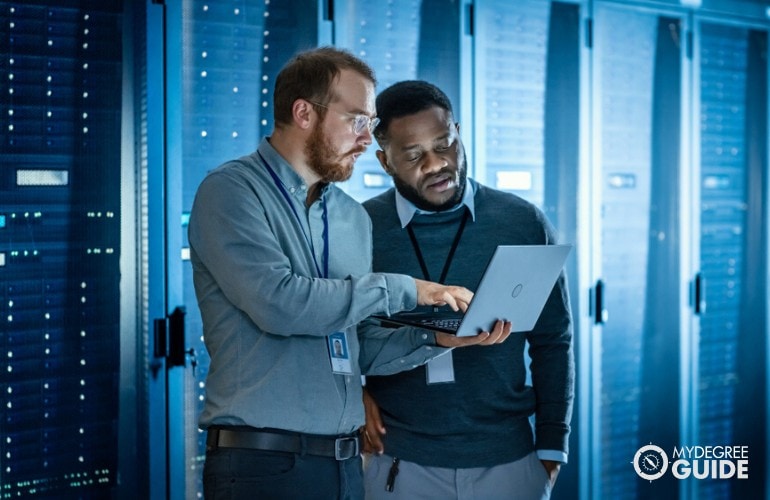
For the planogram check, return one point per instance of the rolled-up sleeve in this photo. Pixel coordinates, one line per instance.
(385, 351)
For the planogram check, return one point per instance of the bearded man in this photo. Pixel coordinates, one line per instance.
(459, 426)
(282, 266)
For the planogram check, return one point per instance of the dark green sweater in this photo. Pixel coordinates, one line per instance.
(481, 419)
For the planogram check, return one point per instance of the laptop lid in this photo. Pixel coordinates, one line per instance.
(515, 286)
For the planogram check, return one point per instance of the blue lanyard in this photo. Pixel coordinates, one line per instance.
(324, 217)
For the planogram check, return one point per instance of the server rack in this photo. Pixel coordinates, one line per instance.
(60, 247)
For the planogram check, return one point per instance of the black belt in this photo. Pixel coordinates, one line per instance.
(338, 447)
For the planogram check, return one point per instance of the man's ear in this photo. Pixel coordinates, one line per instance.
(303, 112)
(383, 159)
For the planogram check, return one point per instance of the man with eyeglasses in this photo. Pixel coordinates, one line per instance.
(281, 262)
(458, 427)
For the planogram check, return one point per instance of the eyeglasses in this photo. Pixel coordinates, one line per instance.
(360, 121)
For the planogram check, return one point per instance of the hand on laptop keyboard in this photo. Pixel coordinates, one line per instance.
(434, 294)
(498, 335)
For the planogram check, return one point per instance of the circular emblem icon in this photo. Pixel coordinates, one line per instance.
(650, 462)
(517, 290)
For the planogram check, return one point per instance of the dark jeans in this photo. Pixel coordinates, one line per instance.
(236, 473)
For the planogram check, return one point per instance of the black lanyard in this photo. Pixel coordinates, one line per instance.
(324, 217)
(449, 258)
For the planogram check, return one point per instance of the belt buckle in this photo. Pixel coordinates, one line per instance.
(338, 443)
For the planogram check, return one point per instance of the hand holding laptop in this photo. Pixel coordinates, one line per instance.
(499, 333)
(434, 294)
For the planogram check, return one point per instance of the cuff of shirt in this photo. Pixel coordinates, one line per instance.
(402, 292)
(554, 455)
(427, 338)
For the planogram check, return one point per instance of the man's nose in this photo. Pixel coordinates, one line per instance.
(365, 137)
(433, 163)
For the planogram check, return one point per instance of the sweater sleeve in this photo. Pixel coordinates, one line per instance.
(553, 370)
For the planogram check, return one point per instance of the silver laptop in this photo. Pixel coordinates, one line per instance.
(515, 286)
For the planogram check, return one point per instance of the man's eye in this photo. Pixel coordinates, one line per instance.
(445, 147)
(412, 159)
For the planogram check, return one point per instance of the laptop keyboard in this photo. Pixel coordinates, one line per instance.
(451, 324)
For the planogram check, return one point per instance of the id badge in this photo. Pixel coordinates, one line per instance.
(440, 370)
(339, 354)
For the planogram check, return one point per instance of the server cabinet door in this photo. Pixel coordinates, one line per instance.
(731, 303)
(637, 74)
(65, 332)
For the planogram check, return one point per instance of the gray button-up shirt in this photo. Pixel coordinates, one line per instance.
(267, 312)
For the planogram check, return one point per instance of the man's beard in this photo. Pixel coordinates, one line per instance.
(414, 196)
(320, 156)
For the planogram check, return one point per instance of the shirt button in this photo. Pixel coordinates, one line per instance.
(403, 361)
(292, 189)
(425, 336)
(430, 348)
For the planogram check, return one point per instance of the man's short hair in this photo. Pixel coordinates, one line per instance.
(309, 75)
(407, 98)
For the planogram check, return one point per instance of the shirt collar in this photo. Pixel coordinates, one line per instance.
(406, 209)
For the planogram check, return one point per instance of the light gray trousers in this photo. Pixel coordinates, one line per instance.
(524, 479)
